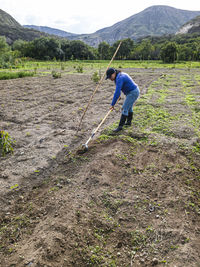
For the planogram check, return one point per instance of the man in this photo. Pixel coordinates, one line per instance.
(125, 84)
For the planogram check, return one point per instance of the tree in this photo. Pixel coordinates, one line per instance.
(169, 52)
(7, 57)
(45, 48)
(66, 48)
(4, 47)
(125, 48)
(146, 49)
(104, 50)
(80, 50)
(21, 47)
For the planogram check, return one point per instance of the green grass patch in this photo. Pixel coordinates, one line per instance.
(89, 66)
(15, 75)
(155, 119)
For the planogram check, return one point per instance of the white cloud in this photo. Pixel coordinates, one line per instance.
(80, 16)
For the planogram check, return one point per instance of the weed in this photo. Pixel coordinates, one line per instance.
(54, 188)
(6, 143)
(121, 157)
(128, 139)
(104, 137)
(95, 77)
(138, 239)
(196, 147)
(79, 69)
(16, 186)
(62, 67)
(55, 74)
(98, 256)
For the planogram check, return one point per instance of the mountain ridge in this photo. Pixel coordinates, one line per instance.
(50, 30)
(155, 20)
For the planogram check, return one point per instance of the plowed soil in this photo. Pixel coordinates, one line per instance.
(131, 200)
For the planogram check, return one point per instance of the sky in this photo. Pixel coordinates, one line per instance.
(83, 16)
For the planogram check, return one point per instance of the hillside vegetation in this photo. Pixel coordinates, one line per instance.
(12, 30)
(192, 26)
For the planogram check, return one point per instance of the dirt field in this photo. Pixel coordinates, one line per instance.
(131, 200)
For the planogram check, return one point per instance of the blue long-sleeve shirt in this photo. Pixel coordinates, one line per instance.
(125, 84)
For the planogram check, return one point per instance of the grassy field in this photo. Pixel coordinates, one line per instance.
(46, 67)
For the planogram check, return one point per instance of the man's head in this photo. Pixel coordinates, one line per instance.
(111, 74)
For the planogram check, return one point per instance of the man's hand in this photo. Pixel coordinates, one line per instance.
(111, 107)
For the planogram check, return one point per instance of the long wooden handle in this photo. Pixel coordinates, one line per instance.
(102, 121)
(105, 117)
(97, 87)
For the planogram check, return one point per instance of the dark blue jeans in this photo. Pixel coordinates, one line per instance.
(129, 101)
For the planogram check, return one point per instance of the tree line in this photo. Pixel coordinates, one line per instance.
(165, 48)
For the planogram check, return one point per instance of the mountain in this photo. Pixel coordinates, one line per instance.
(154, 20)
(12, 30)
(51, 31)
(192, 26)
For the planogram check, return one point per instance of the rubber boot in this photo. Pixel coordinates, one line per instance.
(129, 119)
(121, 123)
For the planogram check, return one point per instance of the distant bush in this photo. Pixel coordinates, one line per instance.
(6, 143)
(15, 75)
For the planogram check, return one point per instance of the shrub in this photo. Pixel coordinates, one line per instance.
(55, 74)
(79, 69)
(95, 77)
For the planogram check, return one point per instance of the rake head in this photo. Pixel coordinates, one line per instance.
(82, 149)
(85, 147)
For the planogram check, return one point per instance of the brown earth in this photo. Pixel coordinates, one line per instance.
(128, 201)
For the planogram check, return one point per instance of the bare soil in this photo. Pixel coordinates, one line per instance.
(130, 200)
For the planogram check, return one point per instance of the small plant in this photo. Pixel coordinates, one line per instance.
(6, 143)
(14, 187)
(55, 74)
(62, 67)
(95, 77)
(79, 69)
